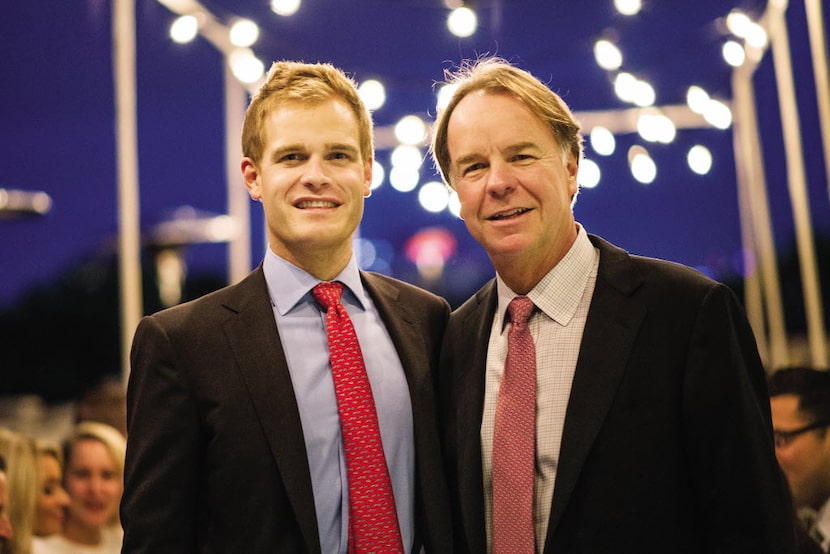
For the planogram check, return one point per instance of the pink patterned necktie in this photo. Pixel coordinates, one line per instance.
(514, 438)
(373, 518)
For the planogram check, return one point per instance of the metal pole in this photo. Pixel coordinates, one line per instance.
(818, 50)
(796, 180)
(752, 283)
(129, 234)
(748, 156)
(239, 247)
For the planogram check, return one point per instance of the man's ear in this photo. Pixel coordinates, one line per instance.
(367, 178)
(250, 174)
(572, 165)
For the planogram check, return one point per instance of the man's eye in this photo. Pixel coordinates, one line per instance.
(340, 156)
(290, 157)
(472, 167)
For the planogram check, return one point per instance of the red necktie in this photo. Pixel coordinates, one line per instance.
(373, 518)
(514, 438)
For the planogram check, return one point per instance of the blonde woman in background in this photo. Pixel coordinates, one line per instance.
(20, 453)
(94, 475)
(52, 499)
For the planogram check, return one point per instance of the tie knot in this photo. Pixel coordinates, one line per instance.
(520, 309)
(328, 293)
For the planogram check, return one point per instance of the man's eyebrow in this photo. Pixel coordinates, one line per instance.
(279, 151)
(463, 160)
(342, 146)
(512, 149)
(299, 147)
(518, 147)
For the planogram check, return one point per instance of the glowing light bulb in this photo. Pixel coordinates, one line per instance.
(462, 22)
(244, 33)
(184, 29)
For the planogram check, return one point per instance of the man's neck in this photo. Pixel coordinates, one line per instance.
(324, 264)
(522, 271)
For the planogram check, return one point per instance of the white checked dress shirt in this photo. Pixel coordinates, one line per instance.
(562, 299)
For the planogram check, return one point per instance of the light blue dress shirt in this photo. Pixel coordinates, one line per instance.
(302, 329)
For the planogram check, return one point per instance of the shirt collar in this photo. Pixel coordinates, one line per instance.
(559, 292)
(288, 285)
(823, 524)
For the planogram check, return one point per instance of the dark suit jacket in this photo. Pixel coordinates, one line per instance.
(216, 460)
(667, 444)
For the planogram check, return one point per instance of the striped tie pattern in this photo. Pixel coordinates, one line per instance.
(373, 519)
(514, 438)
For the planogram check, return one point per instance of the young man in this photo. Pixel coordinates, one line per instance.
(591, 400)
(800, 402)
(240, 414)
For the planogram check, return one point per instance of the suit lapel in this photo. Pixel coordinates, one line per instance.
(255, 342)
(610, 331)
(469, 388)
(401, 325)
(406, 335)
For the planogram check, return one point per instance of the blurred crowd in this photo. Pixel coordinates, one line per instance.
(62, 496)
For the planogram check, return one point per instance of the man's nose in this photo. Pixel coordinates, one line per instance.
(500, 179)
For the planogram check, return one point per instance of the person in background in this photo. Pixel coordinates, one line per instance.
(800, 402)
(591, 400)
(6, 530)
(20, 453)
(241, 404)
(36, 494)
(94, 457)
(52, 498)
(106, 402)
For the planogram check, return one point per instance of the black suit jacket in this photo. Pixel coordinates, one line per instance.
(216, 460)
(667, 444)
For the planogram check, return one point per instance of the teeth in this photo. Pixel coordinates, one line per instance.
(316, 204)
(511, 213)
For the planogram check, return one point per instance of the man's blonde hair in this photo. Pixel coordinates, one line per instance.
(307, 84)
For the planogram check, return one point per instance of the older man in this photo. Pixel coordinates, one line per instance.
(592, 400)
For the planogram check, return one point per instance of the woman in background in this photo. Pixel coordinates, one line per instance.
(20, 454)
(94, 481)
(52, 499)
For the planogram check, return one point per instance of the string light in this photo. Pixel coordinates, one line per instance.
(285, 7)
(444, 95)
(245, 66)
(607, 54)
(628, 7)
(653, 126)
(434, 196)
(373, 94)
(733, 53)
(462, 22)
(642, 166)
(184, 29)
(378, 174)
(699, 159)
(243, 33)
(589, 174)
(404, 179)
(697, 99)
(411, 131)
(602, 141)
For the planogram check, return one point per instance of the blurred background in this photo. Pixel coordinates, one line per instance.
(706, 144)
